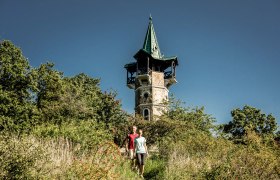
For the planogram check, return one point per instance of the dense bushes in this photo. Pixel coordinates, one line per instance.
(194, 154)
(87, 133)
(34, 96)
(22, 159)
(56, 127)
(252, 161)
(32, 158)
(249, 118)
(188, 149)
(56, 121)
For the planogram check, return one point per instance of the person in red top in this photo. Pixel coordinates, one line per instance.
(130, 145)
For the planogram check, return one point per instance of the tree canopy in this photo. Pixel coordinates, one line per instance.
(57, 127)
(250, 118)
(32, 96)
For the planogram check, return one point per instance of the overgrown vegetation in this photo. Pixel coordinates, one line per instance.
(56, 127)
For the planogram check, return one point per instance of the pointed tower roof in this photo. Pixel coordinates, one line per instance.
(151, 48)
(150, 44)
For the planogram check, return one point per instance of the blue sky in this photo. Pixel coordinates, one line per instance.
(229, 51)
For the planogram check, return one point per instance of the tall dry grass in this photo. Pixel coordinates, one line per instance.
(222, 159)
(61, 159)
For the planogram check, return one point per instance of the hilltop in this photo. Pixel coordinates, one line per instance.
(57, 127)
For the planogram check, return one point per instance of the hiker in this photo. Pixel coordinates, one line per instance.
(141, 151)
(130, 146)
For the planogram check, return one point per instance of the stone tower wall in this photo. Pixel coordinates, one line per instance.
(150, 93)
(159, 93)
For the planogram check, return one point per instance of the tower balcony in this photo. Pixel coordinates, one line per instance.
(130, 82)
(169, 78)
(130, 75)
(144, 77)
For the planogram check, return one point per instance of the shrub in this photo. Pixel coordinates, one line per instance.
(192, 153)
(255, 160)
(105, 163)
(154, 167)
(198, 156)
(22, 158)
(87, 133)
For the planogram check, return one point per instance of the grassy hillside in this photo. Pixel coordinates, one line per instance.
(57, 127)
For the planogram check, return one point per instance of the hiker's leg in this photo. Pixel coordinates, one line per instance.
(141, 170)
(131, 157)
(135, 161)
(143, 157)
(139, 161)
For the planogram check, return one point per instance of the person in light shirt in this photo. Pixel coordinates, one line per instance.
(141, 150)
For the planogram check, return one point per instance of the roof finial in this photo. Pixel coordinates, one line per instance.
(150, 18)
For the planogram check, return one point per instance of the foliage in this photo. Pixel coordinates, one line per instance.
(82, 97)
(15, 77)
(42, 102)
(202, 157)
(34, 96)
(155, 130)
(110, 111)
(16, 81)
(56, 127)
(277, 138)
(88, 133)
(49, 91)
(22, 159)
(249, 118)
(171, 124)
(28, 157)
(253, 161)
(101, 165)
(195, 117)
(188, 151)
(154, 167)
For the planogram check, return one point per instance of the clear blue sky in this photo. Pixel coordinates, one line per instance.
(229, 51)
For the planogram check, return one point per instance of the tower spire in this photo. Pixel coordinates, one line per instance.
(150, 44)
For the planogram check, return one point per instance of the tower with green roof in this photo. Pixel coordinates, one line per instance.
(151, 76)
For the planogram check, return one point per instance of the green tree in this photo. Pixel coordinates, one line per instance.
(249, 118)
(82, 97)
(49, 92)
(16, 82)
(15, 74)
(194, 117)
(84, 100)
(110, 110)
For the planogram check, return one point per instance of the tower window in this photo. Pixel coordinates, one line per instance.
(146, 114)
(146, 95)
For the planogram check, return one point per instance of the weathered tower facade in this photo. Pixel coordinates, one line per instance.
(150, 77)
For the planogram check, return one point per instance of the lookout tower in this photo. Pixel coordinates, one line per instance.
(151, 76)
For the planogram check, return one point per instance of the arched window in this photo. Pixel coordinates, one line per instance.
(145, 97)
(146, 114)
